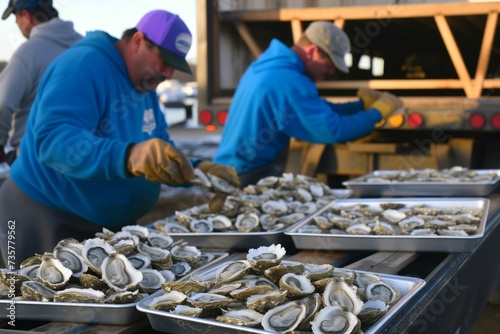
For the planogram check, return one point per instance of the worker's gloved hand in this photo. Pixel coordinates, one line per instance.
(227, 173)
(160, 162)
(368, 96)
(386, 104)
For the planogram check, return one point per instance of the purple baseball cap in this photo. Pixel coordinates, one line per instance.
(25, 4)
(171, 34)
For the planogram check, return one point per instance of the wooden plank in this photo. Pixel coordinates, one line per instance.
(296, 30)
(363, 12)
(485, 53)
(248, 39)
(108, 329)
(384, 262)
(455, 55)
(393, 84)
(61, 328)
(316, 256)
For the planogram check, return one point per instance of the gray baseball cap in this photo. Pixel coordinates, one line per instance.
(332, 40)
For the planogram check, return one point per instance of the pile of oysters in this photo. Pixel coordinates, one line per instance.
(114, 268)
(395, 219)
(265, 292)
(272, 204)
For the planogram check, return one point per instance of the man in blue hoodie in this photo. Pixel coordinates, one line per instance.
(96, 147)
(277, 99)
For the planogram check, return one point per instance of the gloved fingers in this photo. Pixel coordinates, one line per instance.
(185, 168)
(216, 202)
(229, 174)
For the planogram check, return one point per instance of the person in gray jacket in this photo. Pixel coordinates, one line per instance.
(48, 36)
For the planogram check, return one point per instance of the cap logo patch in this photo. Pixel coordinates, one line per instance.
(183, 43)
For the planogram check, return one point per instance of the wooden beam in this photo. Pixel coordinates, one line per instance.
(384, 262)
(485, 53)
(393, 84)
(248, 39)
(364, 12)
(296, 30)
(455, 55)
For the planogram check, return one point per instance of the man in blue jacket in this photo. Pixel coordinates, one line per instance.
(96, 147)
(277, 99)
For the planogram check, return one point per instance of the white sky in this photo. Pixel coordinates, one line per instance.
(112, 16)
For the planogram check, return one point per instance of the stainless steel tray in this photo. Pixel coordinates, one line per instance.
(423, 243)
(361, 187)
(241, 240)
(179, 324)
(90, 313)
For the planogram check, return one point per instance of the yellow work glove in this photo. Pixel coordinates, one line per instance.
(387, 103)
(224, 172)
(368, 96)
(160, 162)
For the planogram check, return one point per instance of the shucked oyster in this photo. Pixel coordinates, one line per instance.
(284, 318)
(335, 319)
(265, 257)
(52, 273)
(33, 290)
(119, 273)
(77, 295)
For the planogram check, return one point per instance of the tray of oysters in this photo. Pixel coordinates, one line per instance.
(395, 224)
(453, 182)
(99, 280)
(257, 214)
(260, 292)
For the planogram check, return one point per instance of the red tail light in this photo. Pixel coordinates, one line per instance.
(221, 117)
(477, 121)
(206, 117)
(495, 121)
(415, 120)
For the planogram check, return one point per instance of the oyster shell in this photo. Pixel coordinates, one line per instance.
(338, 292)
(372, 310)
(381, 290)
(296, 285)
(184, 252)
(160, 258)
(33, 290)
(52, 273)
(152, 280)
(285, 317)
(119, 273)
(243, 317)
(77, 295)
(232, 271)
(167, 301)
(265, 301)
(122, 297)
(265, 257)
(208, 300)
(247, 222)
(335, 319)
(160, 239)
(94, 251)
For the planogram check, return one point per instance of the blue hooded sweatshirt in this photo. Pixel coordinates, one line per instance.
(86, 113)
(275, 101)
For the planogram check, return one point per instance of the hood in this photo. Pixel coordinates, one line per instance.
(278, 55)
(61, 32)
(105, 43)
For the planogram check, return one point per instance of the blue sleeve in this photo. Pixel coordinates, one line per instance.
(347, 107)
(312, 119)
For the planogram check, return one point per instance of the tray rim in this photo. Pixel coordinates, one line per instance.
(419, 283)
(291, 231)
(103, 307)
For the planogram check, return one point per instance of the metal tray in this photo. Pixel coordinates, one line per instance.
(241, 240)
(393, 188)
(90, 313)
(167, 322)
(411, 243)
